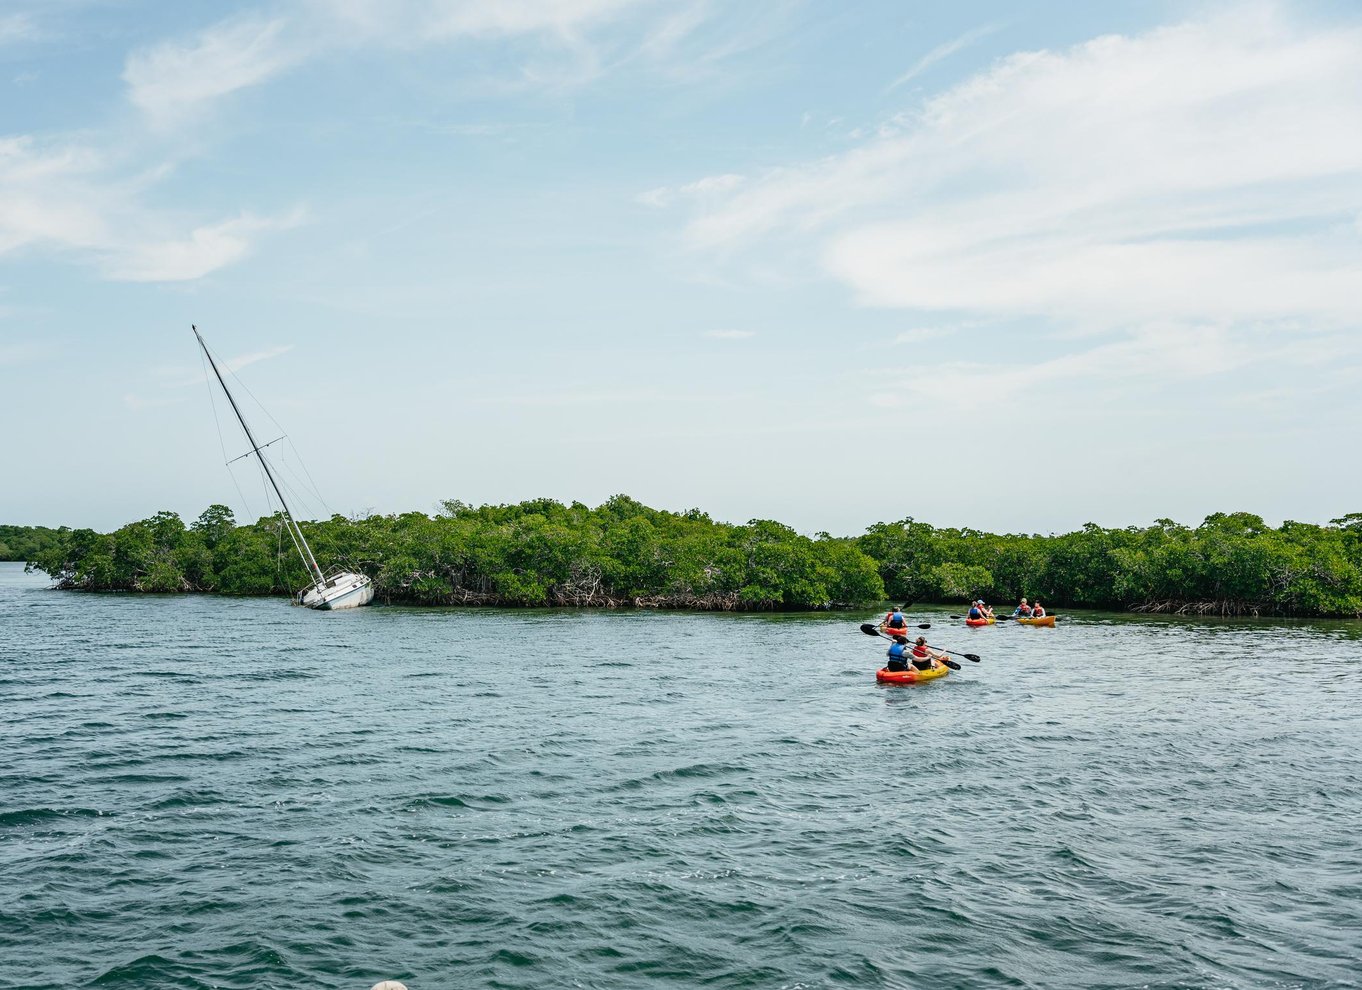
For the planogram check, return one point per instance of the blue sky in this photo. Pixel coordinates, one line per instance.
(1016, 267)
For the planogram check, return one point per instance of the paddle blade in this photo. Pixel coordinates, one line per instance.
(924, 625)
(950, 663)
(971, 656)
(869, 630)
(957, 616)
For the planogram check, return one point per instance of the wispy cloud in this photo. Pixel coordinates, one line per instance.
(205, 249)
(1199, 176)
(15, 28)
(255, 357)
(70, 197)
(918, 334)
(173, 79)
(941, 53)
(591, 396)
(176, 81)
(710, 187)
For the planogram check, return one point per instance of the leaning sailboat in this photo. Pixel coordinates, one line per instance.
(335, 589)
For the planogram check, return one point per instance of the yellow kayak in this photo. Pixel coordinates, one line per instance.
(1044, 620)
(910, 676)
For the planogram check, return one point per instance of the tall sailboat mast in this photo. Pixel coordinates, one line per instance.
(299, 541)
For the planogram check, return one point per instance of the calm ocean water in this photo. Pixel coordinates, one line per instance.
(200, 792)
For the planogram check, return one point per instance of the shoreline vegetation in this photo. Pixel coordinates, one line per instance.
(625, 554)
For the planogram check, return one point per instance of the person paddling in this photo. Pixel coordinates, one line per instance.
(898, 655)
(1038, 611)
(975, 612)
(988, 612)
(924, 657)
(1024, 610)
(893, 619)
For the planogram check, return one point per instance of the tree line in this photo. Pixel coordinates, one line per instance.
(26, 542)
(545, 553)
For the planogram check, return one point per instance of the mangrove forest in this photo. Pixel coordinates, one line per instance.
(623, 553)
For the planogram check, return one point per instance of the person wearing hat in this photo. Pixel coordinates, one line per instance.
(1024, 610)
(988, 612)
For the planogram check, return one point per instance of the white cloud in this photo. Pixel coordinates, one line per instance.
(1200, 176)
(205, 249)
(730, 334)
(710, 187)
(172, 80)
(15, 28)
(1158, 192)
(918, 334)
(73, 198)
(175, 81)
(242, 360)
(942, 52)
(419, 21)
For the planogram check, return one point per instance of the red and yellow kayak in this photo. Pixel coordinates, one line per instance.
(981, 622)
(910, 676)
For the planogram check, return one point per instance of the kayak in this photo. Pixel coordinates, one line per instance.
(910, 676)
(1044, 620)
(981, 622)
(894, 632)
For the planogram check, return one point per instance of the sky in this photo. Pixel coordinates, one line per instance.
(1012, 266)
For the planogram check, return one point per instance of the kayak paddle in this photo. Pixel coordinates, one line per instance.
(870, 630)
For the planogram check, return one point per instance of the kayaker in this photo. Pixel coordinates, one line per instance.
(988, 611)
(1024, 610)
(924, 657)
(898, 655)
(893, 619)
(1038, 611)
(975, 612)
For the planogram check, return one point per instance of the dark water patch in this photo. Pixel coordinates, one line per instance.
(40, 816)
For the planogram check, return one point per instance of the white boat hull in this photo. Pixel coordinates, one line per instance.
(344, 590)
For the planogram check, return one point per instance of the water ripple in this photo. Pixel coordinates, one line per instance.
(235, 793)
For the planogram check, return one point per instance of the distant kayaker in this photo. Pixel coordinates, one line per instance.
(893, 619)
(987, 610)
(898, 655)
(1038, 611)
(1024, 610)
(924, 657)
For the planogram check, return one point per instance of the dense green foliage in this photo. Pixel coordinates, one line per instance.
(26, 542)
(535, 553)
(623, 553)
(1231, 564)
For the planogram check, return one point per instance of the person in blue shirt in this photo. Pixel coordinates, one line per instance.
(975, 612)
(1023, 610)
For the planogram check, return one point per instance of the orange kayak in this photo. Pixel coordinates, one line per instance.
(910, 676)
(1044, 620)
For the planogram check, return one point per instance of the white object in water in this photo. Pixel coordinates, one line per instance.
(340, 588)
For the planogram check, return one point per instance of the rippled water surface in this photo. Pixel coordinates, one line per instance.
(201, 792)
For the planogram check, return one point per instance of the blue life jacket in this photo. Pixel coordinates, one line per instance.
(974, 612)
(896, 621)
(897, 651)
